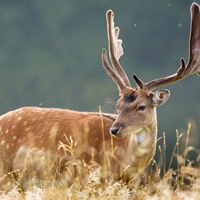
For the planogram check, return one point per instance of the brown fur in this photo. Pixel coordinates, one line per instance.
(28, 131)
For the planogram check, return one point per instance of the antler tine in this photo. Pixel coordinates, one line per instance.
(139, 82)
(193, 65)
(115, 47)
(111, 72)
(167, 80)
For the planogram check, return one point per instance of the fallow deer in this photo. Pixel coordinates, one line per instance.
(32, 131)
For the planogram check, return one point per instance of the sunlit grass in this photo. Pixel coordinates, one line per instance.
(84, 181)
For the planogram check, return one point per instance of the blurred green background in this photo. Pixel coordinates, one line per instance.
(50, 56)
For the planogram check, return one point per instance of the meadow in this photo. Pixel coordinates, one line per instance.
(84, 181)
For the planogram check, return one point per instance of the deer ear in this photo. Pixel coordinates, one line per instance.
(160, 97)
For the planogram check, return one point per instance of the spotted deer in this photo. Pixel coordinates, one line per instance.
(125, 142)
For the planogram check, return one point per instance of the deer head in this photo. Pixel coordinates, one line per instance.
(137, 107)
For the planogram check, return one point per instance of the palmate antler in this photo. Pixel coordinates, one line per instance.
(193, 65)
(116, 51)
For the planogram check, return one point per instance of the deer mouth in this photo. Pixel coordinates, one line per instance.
(132, 132)
(128, 132)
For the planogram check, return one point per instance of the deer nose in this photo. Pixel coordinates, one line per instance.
(114, 131)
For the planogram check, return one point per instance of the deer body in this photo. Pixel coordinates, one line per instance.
(29, 130)
(64, 135)
(32, 127)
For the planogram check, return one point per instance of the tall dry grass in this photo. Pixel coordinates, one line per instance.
(83, 181)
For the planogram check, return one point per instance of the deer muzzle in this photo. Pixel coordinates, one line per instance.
(114, 131)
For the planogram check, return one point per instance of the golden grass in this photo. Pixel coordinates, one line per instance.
(82, 181)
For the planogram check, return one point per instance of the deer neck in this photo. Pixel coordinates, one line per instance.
(145, 137)
(141, 146)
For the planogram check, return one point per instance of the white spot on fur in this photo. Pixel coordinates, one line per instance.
(6, 131)
(19, 140)
(53, 132)
(21, 111)
(7, 146)
(2, 142)
(14, 137)
(28, 129)
(19, 118)
(25, 122)
(13, 127)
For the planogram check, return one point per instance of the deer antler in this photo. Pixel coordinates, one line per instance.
(193, 65)
(115, 51)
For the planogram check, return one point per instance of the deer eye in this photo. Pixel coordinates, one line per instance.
(141, 108)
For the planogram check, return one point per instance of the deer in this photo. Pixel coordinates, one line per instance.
(127, 139)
